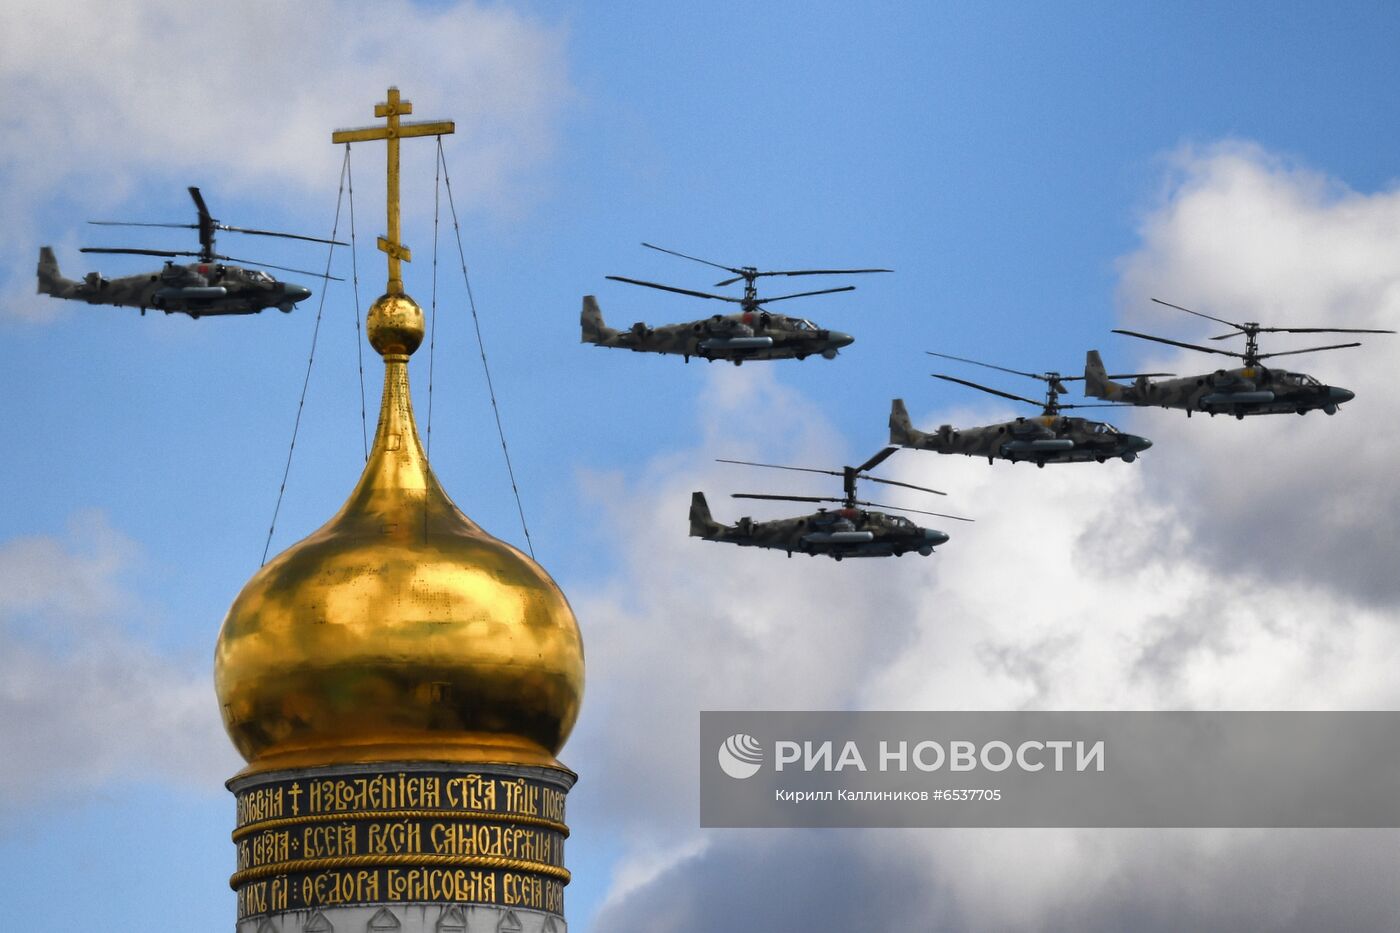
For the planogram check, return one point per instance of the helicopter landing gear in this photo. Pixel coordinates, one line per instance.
(836, 556)
(738, 362)
(1330, 409)
(1129, 457)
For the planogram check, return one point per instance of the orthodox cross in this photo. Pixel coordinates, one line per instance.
(393, 131)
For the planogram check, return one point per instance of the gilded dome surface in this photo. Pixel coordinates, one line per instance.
(399, 630)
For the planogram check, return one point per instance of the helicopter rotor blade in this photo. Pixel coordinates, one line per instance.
(826, 272)
(756, 495)
(672, 288)
(1209, 317)
(662, 249)
(895, 482)
(132, 223)
(1015, 372)
(268, 265)
(1015, 398)
(289, 236)
(777, 466)
(1099, 405)
(804, 272)
(199, 204)
(1325, 330)
(824, 291)
(1335, 346)
(900, 508)
(137, 252)
(1178, 343)
(883, 454)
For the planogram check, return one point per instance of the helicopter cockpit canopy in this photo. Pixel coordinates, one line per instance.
(801, 324)
(1102, 428)
(1295, 379)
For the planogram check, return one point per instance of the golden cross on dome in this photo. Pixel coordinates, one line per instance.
(393, 131)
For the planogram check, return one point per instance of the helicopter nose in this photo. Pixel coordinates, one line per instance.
(839, 339)
(1137, 442)
(934, 537)
(1339, 395)
(298, 293)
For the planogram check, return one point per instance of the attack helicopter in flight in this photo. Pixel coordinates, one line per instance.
(1049, 438)
(754, 333)
(1252, 389)
(850, 531)
(205, 286)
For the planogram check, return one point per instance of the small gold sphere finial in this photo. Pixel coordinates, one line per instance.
(395, 325)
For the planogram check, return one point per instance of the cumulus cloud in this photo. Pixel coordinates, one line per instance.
(84, 700)
(1238, 565)
(100, 97)
(1247, 236)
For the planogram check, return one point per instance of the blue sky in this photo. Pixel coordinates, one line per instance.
(1028, 170)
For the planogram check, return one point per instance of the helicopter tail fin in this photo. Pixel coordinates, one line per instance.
(51, 281)
(901, 428)
(1096, 381)
(702, 524)
(594, 330)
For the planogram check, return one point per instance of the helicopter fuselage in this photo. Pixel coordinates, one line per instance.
(196, 288)
(748, 335)
(837, 533)
(1248, 390)
(1042, 439)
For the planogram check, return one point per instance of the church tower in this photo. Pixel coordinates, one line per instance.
(399, 683)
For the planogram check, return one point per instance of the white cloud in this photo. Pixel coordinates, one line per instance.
(1237, 565)
(1247, 236)
(84, 700)
(98, 97)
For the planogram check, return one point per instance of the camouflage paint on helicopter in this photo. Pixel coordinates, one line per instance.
(206, 286)
(837, 533)
(748, 335)
(850, 531)
(1248, 390)
(1252, 389)
(755, 333)
(1040, 440)
(195, 288)
(1049, 438)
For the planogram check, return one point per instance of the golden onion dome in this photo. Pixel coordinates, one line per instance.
(399, 630)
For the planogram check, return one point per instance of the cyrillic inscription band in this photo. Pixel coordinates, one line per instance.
(298, 891)
(401, 791)
(400, 837)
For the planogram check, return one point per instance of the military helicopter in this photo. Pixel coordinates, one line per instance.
(755, 333)
(1049, 438)
(1252, 389)
(205, 286)
(849, 531)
